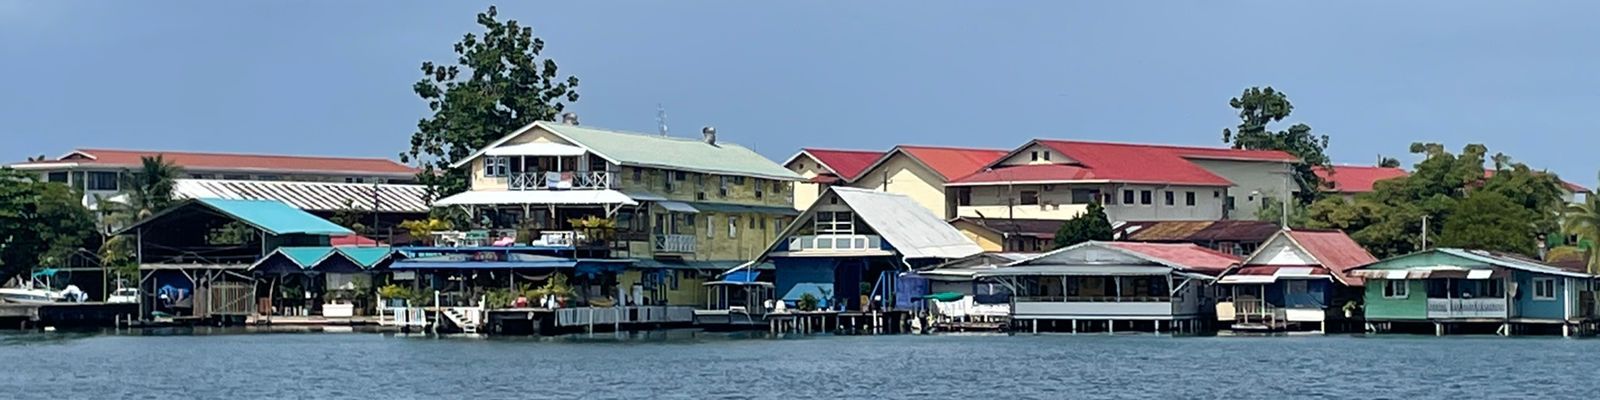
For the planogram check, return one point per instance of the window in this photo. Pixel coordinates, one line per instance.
(1188, 199)
(495, 166)
(834, 223)
(964, 196)
(236, 177)
(760, 189)
(1030, 197)
(680, 176)
(1084, 196)
(733, 226)
(1035, 156)
(269, 178)
(1227, 204)
(1127, 197)
(351, 179)
(1172, 198)
(1047, 155)
(102, 181)
(753, 222)
(711, 226)
(57, 177)
(638, 174)
(722, 186)
(777, 187)
(1216, 194)
(1544, 288)
(1395, 289)
(1147, 197)
(738, 180)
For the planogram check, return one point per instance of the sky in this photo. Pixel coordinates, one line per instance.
(334, 78)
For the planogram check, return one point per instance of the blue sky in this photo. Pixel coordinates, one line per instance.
(315, 77)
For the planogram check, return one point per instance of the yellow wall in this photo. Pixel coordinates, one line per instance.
(907, 177)
(806, 193)
(986, 239)
(690, 290)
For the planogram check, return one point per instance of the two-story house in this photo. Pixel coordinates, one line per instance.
(823, 168)
(918, 172)
(691, 205)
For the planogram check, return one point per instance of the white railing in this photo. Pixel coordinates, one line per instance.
(561, 180)
(835, 242)
(1467, 308)
(583, 316)
(675, 243)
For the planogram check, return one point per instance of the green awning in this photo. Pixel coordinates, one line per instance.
(945, 296)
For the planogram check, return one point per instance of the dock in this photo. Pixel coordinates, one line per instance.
(29, 316)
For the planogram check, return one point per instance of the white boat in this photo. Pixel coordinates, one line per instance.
(124, 295)
(28, 295)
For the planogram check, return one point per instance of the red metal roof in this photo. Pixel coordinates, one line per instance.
(1124, 162)
(1190, 256)
(1269, 270)
(226, 161)
(847, 164)
(1356, 179)
(953, 162)
(1335, 250)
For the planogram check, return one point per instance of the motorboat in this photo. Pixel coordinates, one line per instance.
(29, 295)
(124, 295)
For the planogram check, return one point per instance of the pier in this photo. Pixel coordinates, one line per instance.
(28, 316)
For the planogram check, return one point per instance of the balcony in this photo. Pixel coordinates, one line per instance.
(674, 244)
(1031, 211)
(569, 180)
(1492, 307)
(819, 243)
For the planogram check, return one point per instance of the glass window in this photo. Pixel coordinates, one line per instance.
(1127, 197)
(834, 223)
(1047, 155)
(733, 226)
(1228, 203)
(1030, 197)
(638, 174)
(102, 181)
(1083, 196)
(1172, 198)
(1544, 288)
(1035, 156)
(1395, 289)
(1146, 197)
(57, 177)
(1188, 199)
(680, 175)
(964, 196)
(711, 226)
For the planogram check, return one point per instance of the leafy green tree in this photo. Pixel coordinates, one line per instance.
(150, 188)
(1486, 220)
(1389, 162)
(1583, 220)
(350, 218)
(1091, 225)
(41, 223)
(498, 84)
(1258, 107)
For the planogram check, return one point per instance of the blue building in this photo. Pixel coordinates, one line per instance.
(1451, 290)
(851, 246)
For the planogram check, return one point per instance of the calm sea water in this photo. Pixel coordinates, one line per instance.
(701, 365)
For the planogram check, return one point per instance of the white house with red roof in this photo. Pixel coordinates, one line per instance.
(1057, 179)
(1298, 280)
(1107, 286)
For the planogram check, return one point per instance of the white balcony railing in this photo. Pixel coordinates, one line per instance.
(835, 242)
(570, 180)
(1467, 308)
(675, 243)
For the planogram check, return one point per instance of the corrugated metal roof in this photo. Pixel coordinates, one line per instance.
(314, 196)
(239, 162)
(275, 217)
(1127, 162)
(910, 228)
(481, 197)
(1513, 262)
(847, 164)
(640, 149)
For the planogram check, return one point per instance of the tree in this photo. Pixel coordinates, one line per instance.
(1486, 220)
(41, 223)
(1091, 225)
(349, 217)
(1389, 162)
(498, 84)
(1583, 220)
(1259, 106)
(150, 188)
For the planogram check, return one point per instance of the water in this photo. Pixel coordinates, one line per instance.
(716, 366)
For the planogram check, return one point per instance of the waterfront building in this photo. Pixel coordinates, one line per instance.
(329, 282)
(1459, 290)
(849, 248)
(683, 208)
(1298, 281)
(823, 168)
(1104, 286)
(962, 297)
(919, 172)
(194, 257)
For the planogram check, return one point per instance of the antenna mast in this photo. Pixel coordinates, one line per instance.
(661, 119)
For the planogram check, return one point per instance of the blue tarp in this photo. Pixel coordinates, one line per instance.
(823, 291)
(743, 276)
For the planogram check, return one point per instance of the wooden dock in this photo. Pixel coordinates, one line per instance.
(28, 316)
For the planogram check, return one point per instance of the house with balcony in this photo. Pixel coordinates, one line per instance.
(850, 248)
(1054, 180)
(1299, 280)
(683, 208)
(1446, 291)
(1111, 286)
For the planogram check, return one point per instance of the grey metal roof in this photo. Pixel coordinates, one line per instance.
(1508, 261)
(909, 227)
(313, 196)
(1078, 270)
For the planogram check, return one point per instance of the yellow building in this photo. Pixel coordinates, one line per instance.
(684, 209)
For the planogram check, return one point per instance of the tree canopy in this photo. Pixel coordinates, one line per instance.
(1091, 225)
(1583, 220)
(498, 84)
(1389, 220)
(1257, 108)
(41, 223)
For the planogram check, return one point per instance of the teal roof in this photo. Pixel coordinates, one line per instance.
(366, 257)
(306, 256)
(275, 217)
(637, 149)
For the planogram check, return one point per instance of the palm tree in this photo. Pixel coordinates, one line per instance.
(150, 189)
(1583, 221)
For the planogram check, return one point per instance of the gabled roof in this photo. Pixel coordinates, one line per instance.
(1332, 251)
(1037, 228)
(315, 257)
(272, 217)
(949, 162)
(1196, 231)
(233, 162)
(1123, 162)
(844, 164)
(1488, 258)
(911, 229)
(655, 151)
(1355, 179)
(1182, 257)
(1189, 256)
(314, 196)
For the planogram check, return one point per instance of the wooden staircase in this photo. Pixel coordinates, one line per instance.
(466, 318)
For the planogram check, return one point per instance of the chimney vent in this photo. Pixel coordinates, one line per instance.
(569, 118)
(710, 134)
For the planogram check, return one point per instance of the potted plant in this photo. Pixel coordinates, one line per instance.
(866, 296)
(807, 302)
(557, 288)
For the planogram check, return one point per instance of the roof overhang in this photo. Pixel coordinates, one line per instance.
(556, 197)
(536, 149)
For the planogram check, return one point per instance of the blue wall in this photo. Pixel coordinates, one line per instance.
(1528, 307)
(790, 271)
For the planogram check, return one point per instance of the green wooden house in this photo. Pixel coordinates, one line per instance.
(1456, 289)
